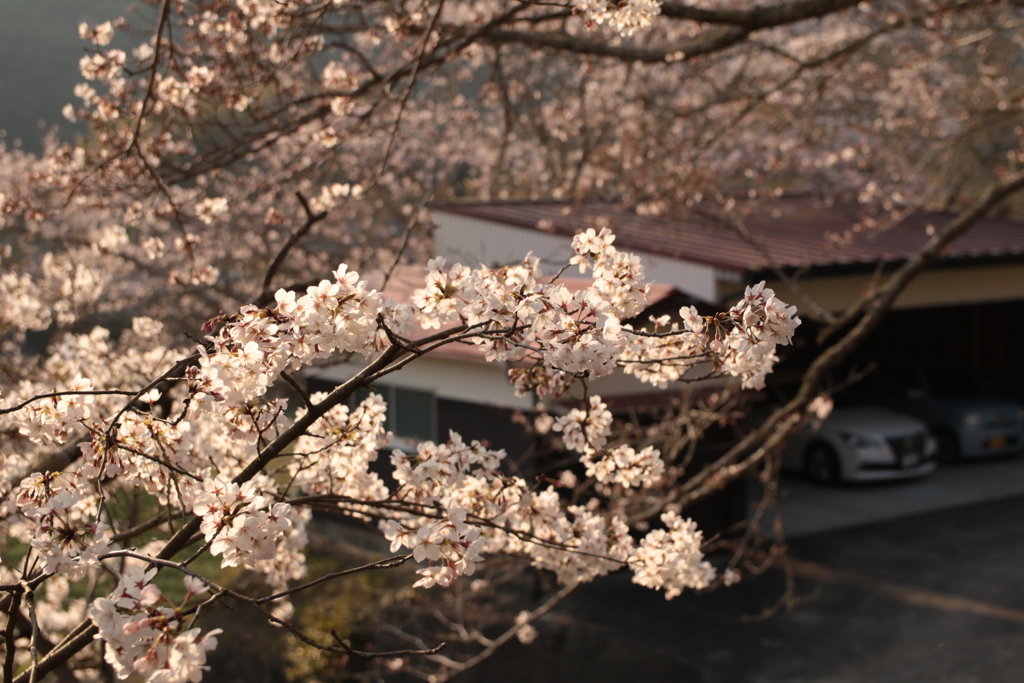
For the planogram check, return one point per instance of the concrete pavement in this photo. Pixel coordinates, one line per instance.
(809, 508)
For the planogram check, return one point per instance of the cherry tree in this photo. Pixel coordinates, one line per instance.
(231, 476)
(249, 159)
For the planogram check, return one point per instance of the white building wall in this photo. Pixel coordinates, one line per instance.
(485, 383)
(472, 240)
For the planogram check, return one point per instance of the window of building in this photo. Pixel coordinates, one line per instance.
(412, 413)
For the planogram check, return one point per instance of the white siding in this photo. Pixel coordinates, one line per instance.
(472, 240)
(699, 281)
(473, 382)
(619, 384)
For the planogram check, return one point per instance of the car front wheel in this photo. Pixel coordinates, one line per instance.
(821, 464)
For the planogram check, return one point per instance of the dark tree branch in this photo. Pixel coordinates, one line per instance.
(762, 16)
(714, 41)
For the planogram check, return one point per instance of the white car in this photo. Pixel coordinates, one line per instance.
(862, 444)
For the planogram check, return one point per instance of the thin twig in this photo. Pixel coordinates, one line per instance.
(12, 613)
(133, 143)
(408, 91)
(30, 600)
(312, 218)
(551, 603)
(410, 226)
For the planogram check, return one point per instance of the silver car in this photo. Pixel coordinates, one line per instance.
(864, 443)
(968, 420)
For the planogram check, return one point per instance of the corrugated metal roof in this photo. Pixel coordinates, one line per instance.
(796, 232)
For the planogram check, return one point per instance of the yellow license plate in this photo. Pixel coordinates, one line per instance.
(995, 442)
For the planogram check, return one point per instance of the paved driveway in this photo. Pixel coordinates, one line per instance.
(809, 508)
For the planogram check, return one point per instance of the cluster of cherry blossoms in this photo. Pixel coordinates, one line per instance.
(626, 18)
(440, 485)
(52, 420)
(671, 559)
(740, 342)
(461, 507)
(587, 432)
(450, 545)
(257, 345)
(239, 524)
(457, 506)
(60, 530)
(334, 456)
(554, 335)
(146, 634)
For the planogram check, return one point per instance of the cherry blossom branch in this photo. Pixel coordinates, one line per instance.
(169, 374)
(30, 600)
(386, 563)
(715, 42)
(361, 654)
(142, 528)
(137, 128)
(58, 394)
(297, 389)
(158, 34)
(344, 648)
(931, 251)
(433, 512)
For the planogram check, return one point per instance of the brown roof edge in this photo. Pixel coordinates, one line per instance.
(798, 232)
(477, 209)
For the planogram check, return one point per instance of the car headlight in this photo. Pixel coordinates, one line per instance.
(861, 441)
(972, 420)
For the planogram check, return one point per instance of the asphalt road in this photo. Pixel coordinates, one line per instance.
(934, 597)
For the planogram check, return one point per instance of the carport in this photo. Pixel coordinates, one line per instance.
(967, 309)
